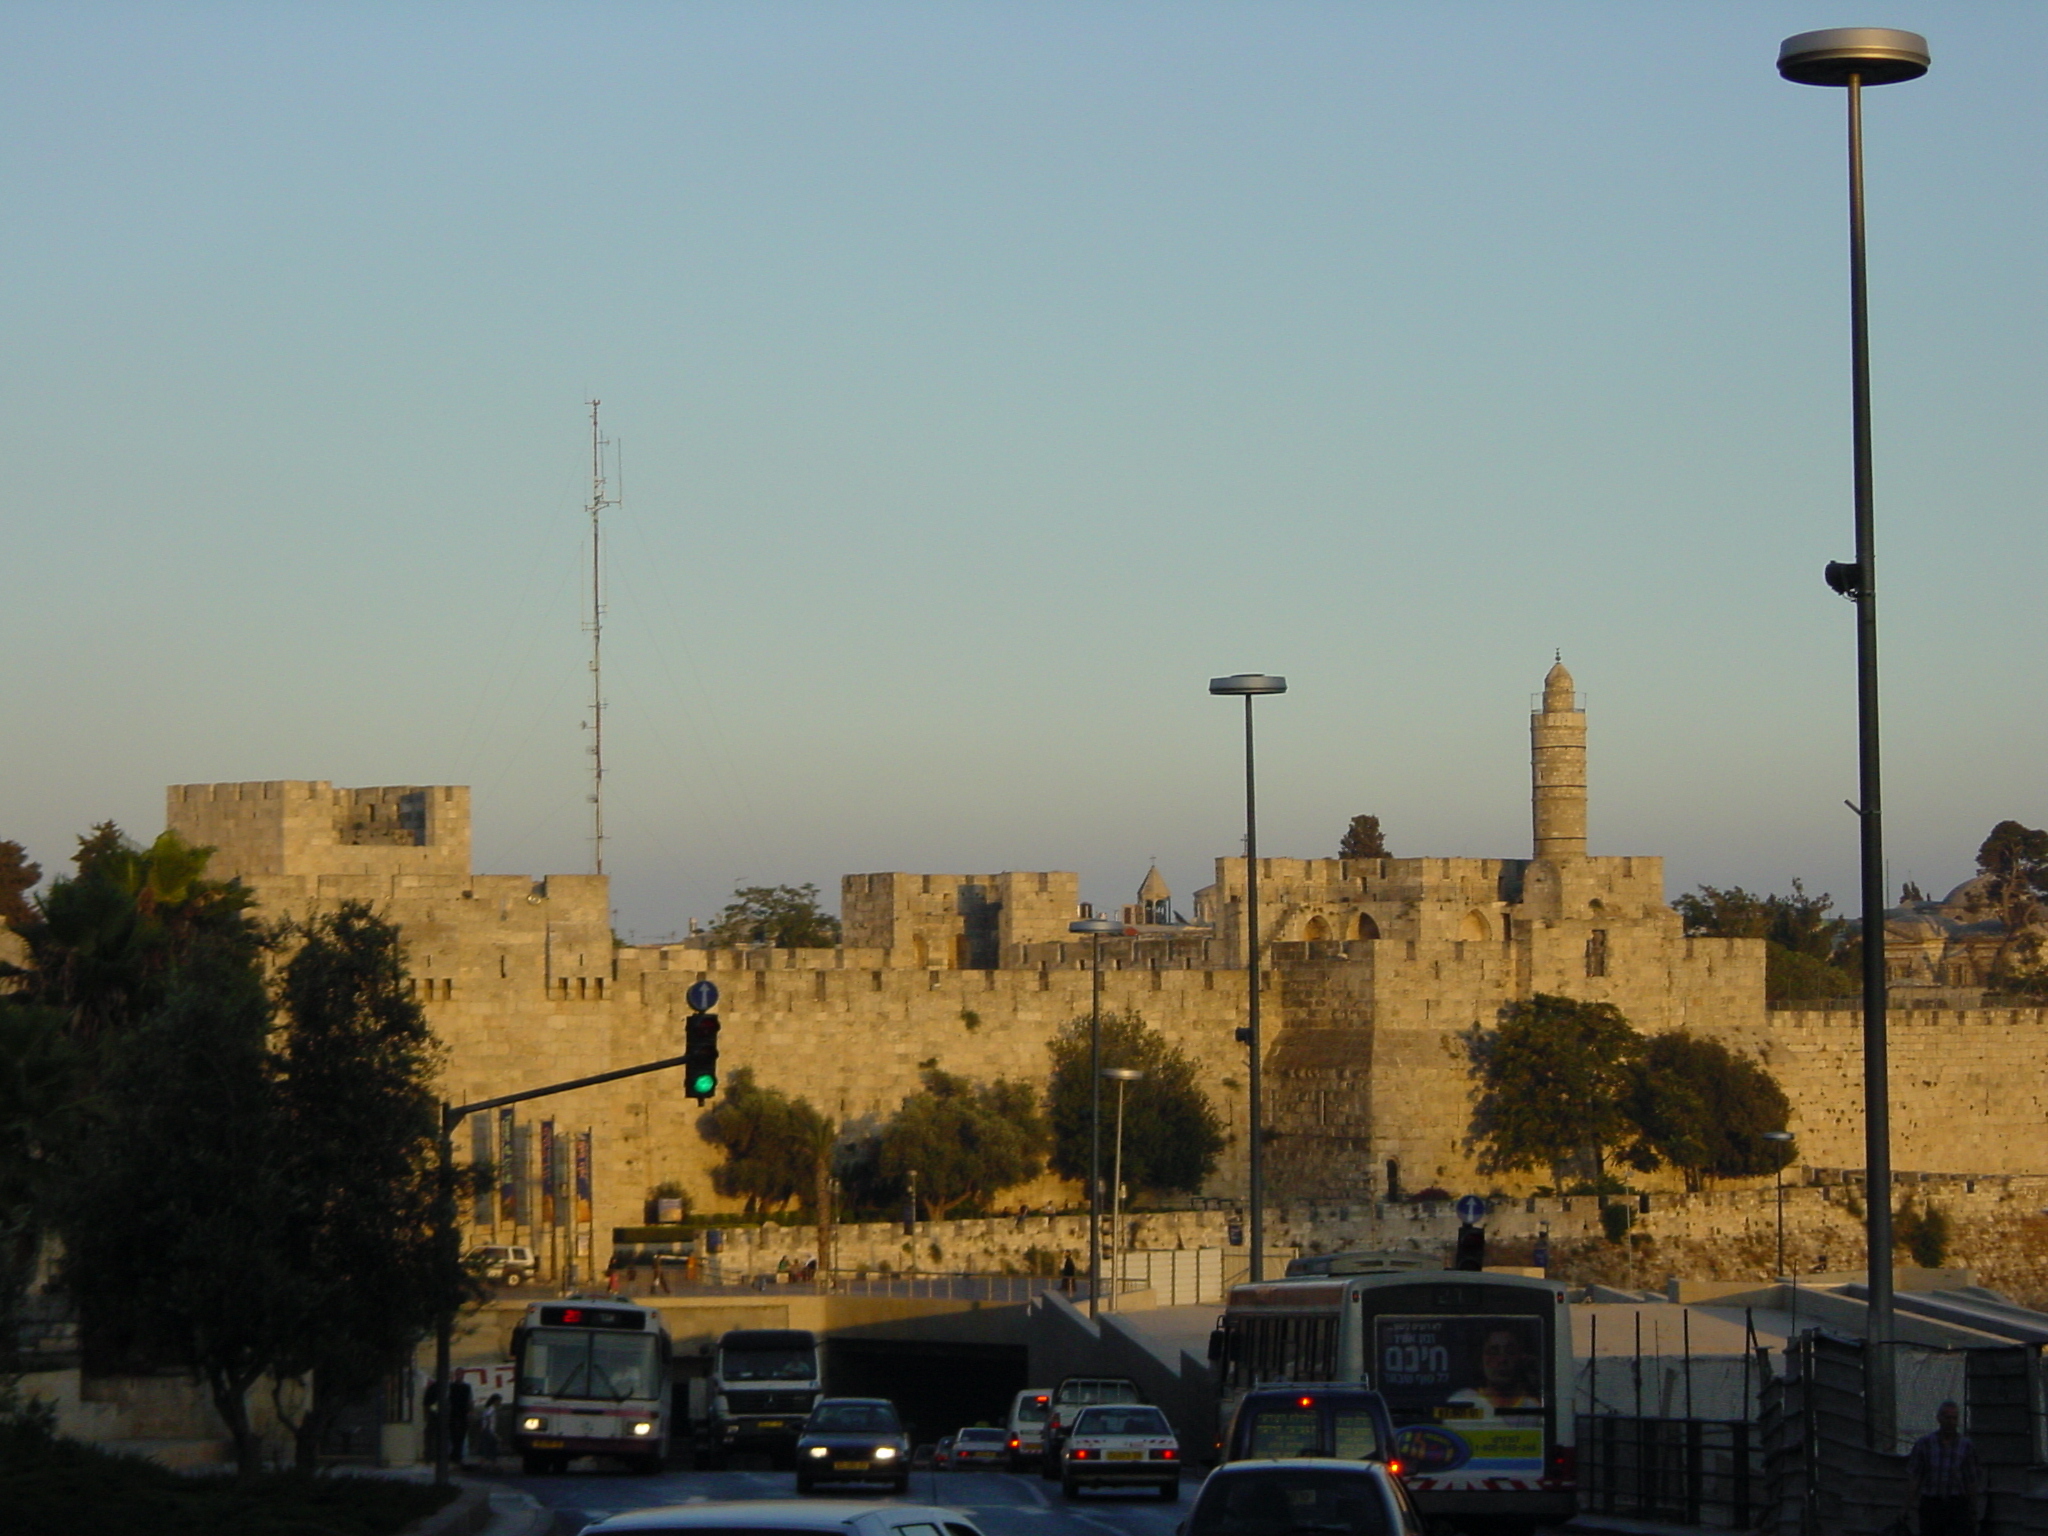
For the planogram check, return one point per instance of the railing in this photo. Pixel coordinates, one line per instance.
(933, 1287)
(1689, 1471)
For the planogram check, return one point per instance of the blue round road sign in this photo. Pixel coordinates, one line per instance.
(1471, 1210)
(702, 997)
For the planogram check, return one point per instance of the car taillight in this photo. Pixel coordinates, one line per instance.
(1167, 1453)
(1394, 1467)
(1014, 1442)
(1082, 1453)
(1564, 1464)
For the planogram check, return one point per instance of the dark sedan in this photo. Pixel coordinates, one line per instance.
(853, 1440)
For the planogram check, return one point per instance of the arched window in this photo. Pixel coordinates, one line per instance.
(1318, 931)
(1475, 928)
(1367, 928)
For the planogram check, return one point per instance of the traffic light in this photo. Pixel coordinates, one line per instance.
(700, 1056)
(1471, 1248)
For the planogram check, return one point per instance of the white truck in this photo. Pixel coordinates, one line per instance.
(764, 1383)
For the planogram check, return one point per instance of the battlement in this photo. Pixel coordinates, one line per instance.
(956, 922)
(299, 827)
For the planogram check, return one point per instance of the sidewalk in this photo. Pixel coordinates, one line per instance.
(479, 1509)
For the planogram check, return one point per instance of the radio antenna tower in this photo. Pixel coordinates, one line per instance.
(598, 502)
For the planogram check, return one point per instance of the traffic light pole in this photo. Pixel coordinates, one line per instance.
(453, 1115)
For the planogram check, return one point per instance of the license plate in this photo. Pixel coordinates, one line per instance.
(849, 1466)
(770, 1424)
(549, 1445)
(1125, 1456)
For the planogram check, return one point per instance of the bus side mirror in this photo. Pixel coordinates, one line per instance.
(1219, 1346)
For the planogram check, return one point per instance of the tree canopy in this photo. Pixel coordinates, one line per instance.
(1553, 1084)
(1172, 1133)
(2015, 860)
(772, 1143)
(781, 916)
(964, 1141)
(1807, 952)
(17, 878)
(1704, 1109)
(1363, 840)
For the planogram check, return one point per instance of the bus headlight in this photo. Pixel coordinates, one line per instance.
(642, 1427)
(533, 1423)
(885, 1453)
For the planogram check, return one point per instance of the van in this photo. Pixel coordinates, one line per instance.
(1025, 1442)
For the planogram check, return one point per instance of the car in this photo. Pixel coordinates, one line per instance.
(853, 1440)
(942, 1454)
(787, 1517)
(1303, 1493)
(1341, 1420)
(1117, 1445)
(979, 1447)
(1068, 1398)
(506, 1263)
(1027, 1425)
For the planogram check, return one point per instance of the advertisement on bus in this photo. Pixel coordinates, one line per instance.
(1468, 1391)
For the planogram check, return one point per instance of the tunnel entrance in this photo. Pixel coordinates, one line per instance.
(937, 1387)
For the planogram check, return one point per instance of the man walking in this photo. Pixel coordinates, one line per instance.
(1944, 1482)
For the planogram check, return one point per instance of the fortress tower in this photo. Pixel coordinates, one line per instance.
(1557, 765)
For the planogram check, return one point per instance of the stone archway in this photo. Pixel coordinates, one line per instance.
(1475, 929)
(1317, 932)
(1367, 928)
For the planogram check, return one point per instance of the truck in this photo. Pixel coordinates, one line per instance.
(764, 1383)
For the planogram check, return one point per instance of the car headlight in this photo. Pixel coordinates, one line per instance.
(533, 1423)
(818, 1450)
(643, 1428)
(885, 1453)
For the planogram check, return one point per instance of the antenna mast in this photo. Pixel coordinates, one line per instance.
(598, 502)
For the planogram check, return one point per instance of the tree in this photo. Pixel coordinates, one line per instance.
(1704, 1109)
(1172, 1134)
(17, 877)
(770, 1143)
(1362, 840)
(356, 1095)
(965, 1142)
(1807, 953)
(781, 916)
(2014, 860)
(1552, 1082)
(42, 1083)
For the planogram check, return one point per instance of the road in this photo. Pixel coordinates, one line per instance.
(1001, 1503)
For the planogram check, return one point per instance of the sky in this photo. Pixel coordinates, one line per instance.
(983, 378)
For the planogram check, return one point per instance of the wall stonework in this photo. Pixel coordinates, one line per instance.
(1374, 970)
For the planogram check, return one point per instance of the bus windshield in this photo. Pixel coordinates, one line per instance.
(775, 1364)
(602, 1367)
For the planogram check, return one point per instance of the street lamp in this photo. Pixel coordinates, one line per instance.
(1122, 1075)
(1854, 57)
(1095, 928)
(1248, 686)
(1780, 1137)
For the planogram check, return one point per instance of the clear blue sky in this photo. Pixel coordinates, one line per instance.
(988, 376)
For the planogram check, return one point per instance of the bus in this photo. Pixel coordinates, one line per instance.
(1476, 1370)
(590, 1378)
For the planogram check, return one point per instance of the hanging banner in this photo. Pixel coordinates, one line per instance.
(547, 1173)
(583, 1178)
(485, 1213)
(508, 1168)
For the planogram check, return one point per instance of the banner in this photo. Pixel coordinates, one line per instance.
(484, 1212)
(583, 1178)
(1479, 1378)
(547, 1174)
(508, 1168)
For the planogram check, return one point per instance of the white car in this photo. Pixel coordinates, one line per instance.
(1117, 1445)
(978, 1447)
(788, 1517)
(1273, 1498)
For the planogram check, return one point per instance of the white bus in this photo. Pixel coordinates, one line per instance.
(591, 1378)
(1476, 1370)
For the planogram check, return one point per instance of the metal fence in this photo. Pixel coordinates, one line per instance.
(1703, 1472)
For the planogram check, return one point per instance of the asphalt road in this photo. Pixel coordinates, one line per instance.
(1001, 1503)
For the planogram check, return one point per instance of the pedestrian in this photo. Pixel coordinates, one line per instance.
(487, 1429)
(782, 1274)
(1067, 1273)
(1943, 1478)
(459, 1399)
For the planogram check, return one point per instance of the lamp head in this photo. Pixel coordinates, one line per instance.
(1122, 1074)
(1095, 925)
(1245, 683)
(1777, 1135)
(1877, 55)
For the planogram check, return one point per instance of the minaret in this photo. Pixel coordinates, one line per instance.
(1557, 762)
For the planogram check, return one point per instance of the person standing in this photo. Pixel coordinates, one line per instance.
(1944, 1481)
(486, 1430)
(1067, 1273)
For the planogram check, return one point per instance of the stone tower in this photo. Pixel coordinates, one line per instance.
(1557, 763)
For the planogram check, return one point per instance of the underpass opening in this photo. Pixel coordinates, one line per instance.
(937, 1387)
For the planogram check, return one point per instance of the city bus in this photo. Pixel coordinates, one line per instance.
(590, 1378)
(1476, 1370)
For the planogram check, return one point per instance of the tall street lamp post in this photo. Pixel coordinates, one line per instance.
(1853, 57)
(1248, 686)
(1095, 928)
(1122, 1076)
(1780, 1138)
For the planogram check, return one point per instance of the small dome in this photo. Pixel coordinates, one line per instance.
(1558, 691)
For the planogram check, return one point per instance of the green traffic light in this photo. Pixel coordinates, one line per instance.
(704, 1082)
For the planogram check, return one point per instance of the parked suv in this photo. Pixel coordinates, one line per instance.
(508, 1264)
(1068, 1398)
